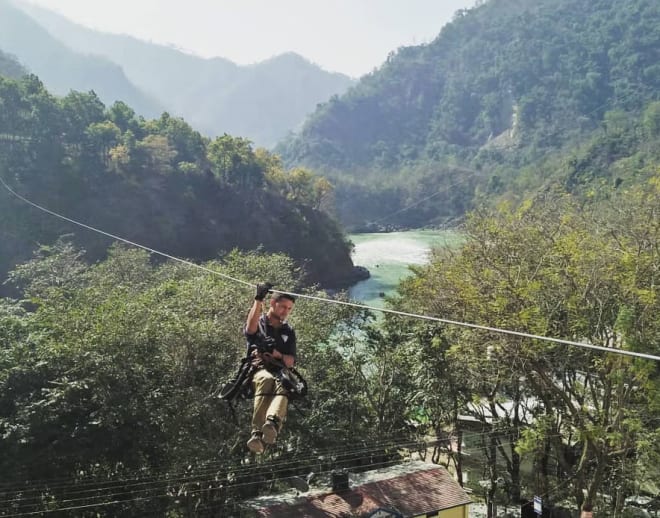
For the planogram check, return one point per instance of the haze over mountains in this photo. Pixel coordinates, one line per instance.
(9, 67)
(493, 77)
(505, 89)
(262, 102)
(63, 70)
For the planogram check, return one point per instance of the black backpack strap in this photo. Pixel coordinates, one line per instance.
(240, 382)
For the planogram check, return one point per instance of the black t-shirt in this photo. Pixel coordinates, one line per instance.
(284, 336)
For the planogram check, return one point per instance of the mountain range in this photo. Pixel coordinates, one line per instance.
(502, 87)
(496, 107)
(262, 102)
(9, 67)
(62, 69)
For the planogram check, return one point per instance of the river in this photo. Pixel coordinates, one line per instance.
(388, 256)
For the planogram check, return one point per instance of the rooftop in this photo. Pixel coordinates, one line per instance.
(411, 489)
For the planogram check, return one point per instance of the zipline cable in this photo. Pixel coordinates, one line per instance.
(107, 234)
(481, 327)
(442, 190)
(583, 345)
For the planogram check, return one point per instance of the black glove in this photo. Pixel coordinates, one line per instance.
(262, 290)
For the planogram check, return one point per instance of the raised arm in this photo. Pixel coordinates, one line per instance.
(252, 323)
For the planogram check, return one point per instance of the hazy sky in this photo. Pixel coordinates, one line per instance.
(349, 36)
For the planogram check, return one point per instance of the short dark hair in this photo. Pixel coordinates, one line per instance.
(277, 296)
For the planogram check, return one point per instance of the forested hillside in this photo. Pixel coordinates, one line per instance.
(501, 86)
(156, 182)
(108, 372)
(262, 102)
(62, 69)
(526, 358)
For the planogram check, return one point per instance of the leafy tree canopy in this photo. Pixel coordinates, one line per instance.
(156, 182)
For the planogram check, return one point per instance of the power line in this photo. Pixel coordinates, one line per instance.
(215, 467)
(270, 469)
(332, 454)
(344, 303)
(114, 498)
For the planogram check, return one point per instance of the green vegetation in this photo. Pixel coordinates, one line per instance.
(107, 371)
(109, 381)
(587, 421)
(109, 360)
(505, 85)
(157, 182)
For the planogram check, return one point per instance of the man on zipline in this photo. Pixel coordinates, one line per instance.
(271, 343)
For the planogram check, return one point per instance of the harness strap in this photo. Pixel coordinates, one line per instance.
(240, 381)
(262, 328)
(264, 395)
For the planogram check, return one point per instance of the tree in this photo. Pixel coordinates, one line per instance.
(157, 154)
(188, 143)
(234, 162)
(80, 111)
(541, 270)
(323, 191)
(124, 117)
(112, 375)
(651, 120)
(102, 136)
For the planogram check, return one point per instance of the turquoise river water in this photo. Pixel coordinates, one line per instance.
(388, 256)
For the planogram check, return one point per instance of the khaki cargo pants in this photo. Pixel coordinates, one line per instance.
(270, 398)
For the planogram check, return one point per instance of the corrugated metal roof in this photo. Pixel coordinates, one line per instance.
(427, 490)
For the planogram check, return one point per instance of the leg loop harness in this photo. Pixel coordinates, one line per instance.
(241, 384)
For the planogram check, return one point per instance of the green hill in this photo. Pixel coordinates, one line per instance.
(501, 86)
(262, 102)
(157, 182)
